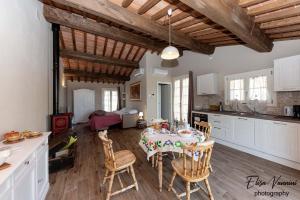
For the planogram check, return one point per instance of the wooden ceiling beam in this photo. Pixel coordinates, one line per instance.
(281, 22)
(279, 14)
(126, 3)
(65, 18)
(234, 18)
(163, 12)
(283, 29)
(106, 10)
(286, 35)
(176, 18)
(270, 6)
(80, 73)
(247, 3)
(147, 6)
(98, 59)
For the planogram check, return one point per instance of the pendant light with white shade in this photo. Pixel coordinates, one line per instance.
(170, 52)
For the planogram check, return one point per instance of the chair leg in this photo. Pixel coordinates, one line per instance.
(188, 189)
(153, 160)
(105, 176)
(134, 179)
(210, 168)
(110, 185)
(208, 189)
(172, 181)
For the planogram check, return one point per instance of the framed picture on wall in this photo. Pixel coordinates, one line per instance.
(135, 91)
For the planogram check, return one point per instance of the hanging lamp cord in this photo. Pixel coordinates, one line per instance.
(169, 30)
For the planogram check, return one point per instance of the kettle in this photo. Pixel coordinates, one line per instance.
(288, 111)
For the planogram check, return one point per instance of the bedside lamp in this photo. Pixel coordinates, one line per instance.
(141, 115)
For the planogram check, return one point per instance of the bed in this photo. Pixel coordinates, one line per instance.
(100, 120)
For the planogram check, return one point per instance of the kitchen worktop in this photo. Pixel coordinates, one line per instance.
(253, 115)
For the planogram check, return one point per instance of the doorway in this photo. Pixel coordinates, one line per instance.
(164, 101)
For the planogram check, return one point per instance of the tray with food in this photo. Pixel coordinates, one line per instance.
(31, 134)
(13, 137)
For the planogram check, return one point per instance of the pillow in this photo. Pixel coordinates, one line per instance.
(133, 111)
(99, 112)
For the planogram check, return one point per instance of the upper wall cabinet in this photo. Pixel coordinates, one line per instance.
(287, 74)
(207, 84)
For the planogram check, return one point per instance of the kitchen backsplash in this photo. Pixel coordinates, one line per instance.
(283, 99)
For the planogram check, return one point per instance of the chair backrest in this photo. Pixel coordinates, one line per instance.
(198, 164)
(204, 127)
(107, 148)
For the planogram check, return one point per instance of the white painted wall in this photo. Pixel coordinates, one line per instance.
(25, 61)
(140, 105)
(234, 59)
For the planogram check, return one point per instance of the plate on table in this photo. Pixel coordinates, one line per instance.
(31, 134)
(185, 133)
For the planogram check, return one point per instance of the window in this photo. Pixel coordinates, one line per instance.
(250, 86)
(237, 91)
(258, 88)
(110, 100)
(181, 97)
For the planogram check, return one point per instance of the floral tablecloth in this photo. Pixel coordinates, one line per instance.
(155, 142)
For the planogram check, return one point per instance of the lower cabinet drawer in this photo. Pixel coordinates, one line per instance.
(27, 164)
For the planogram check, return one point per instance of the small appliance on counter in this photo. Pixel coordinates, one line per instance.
(288, 111)
(296, 111)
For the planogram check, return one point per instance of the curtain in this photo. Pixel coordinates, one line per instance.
(191, 97)
(119, 99)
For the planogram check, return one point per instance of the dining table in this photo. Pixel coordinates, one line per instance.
(160, 141)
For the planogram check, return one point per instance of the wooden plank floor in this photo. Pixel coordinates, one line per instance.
(228, 181)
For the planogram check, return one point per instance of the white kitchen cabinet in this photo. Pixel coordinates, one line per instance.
(217, 126)
(207, 84)
(28, 177)
(24, 181)
(244, 131)
(42, 171)
(283, 139)
(261, 136)
(287, 74)
(6, 190)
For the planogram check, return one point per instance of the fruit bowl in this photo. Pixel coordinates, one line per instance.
(185, 133)
(12, 136)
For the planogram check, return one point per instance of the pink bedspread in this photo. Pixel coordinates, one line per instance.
(100, 122)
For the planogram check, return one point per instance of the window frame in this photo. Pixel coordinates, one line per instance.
(180, 78)
(271, 95)
(111, 90)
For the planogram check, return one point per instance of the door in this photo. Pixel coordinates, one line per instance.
(165, 101)
(84, 104)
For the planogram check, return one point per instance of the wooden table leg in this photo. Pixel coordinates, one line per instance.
(160, 170)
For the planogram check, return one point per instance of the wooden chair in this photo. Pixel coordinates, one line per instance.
(116, 163)
(204, 127)
(193, 171)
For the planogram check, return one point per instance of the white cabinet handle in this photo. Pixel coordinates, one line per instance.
(40, 180)
(217, 121)
(242, 118)
(278, 123)
(217, 128)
